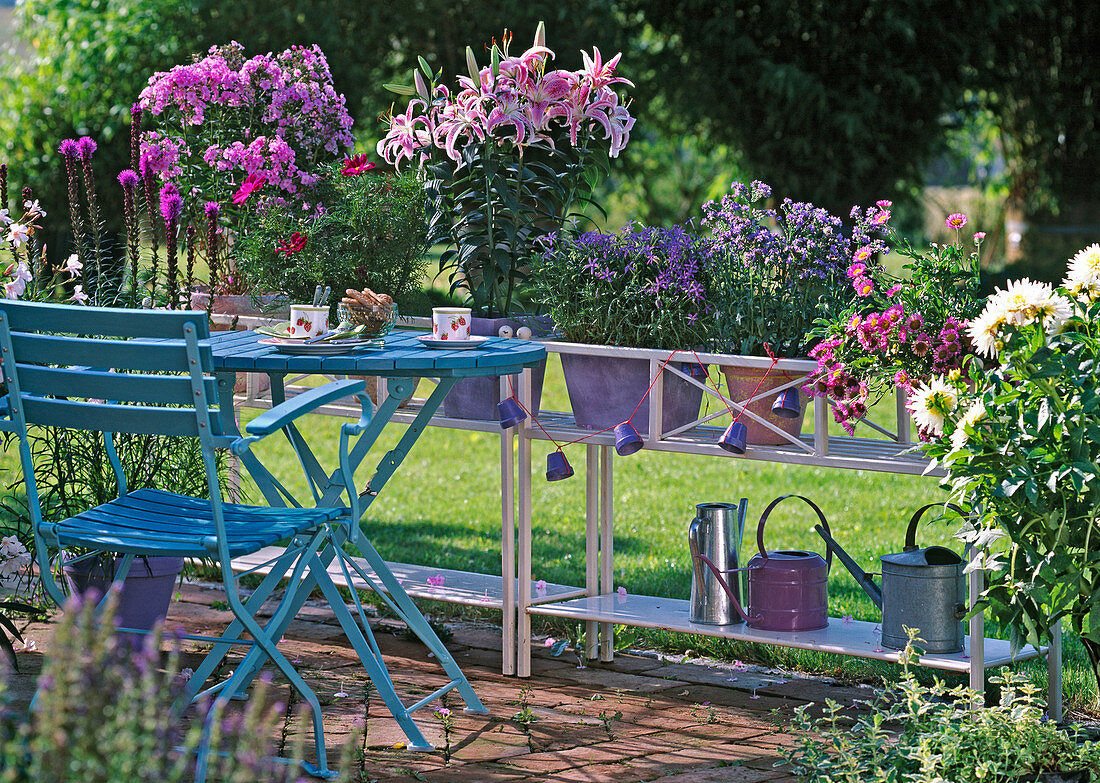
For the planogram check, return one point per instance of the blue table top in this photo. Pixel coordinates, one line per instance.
(402, 356)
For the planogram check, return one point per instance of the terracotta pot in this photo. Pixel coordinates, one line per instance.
(604, 391)
(740, 383)
(477, 398)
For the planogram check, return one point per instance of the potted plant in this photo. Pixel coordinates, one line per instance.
(642, 288)
(356, 228)
(1019, 439)
(505, 157)
(231, 132)
(775, 272)
(897, 331)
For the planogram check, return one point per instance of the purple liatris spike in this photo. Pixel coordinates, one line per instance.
(171, 203)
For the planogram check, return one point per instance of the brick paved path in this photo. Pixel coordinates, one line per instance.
(637, 719)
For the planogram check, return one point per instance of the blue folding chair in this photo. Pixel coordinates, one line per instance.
(149, 372)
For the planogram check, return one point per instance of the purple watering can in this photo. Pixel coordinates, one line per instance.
(787, 589)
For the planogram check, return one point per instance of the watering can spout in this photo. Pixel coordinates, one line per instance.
(863, 579)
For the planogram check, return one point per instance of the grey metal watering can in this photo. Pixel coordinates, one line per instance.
(921, 588)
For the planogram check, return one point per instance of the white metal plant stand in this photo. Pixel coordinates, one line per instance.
(596, 603)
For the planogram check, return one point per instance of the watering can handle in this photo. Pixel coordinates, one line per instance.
(725, 585)
(820, 516)
(911, 531)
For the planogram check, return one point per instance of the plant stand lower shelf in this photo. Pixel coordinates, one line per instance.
(853, 637)
(458, 587)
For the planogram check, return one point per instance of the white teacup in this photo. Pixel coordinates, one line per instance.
(451, 323)
(307, 320)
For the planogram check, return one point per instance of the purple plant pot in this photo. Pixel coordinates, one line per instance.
(477, 398)
(146, 591)
(604, 390)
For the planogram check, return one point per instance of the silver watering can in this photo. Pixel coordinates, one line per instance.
(787, 588)
(921, 588)
(715, 534)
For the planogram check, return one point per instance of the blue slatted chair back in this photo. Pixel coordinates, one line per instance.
(107, 369)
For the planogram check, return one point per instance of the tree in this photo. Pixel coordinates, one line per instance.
(836, 102)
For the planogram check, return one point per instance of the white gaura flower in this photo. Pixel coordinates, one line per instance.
(78, 295)
(985, 331)
(73, 265)
(18, 234)
(930, 404)
(974, 414)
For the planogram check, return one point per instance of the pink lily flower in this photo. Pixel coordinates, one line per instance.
(601, 73)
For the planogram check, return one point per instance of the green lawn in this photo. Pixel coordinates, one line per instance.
(443, 509)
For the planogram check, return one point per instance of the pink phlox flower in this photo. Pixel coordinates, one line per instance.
(600, 73)
(540, 586)
(955, 220)
(435, 581)
(252, 183)
(621, 591)
(847, 619)
(550, 640)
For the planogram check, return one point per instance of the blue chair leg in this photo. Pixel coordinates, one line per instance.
(408, 611)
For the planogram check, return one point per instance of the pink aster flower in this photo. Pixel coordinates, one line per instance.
(884, 204)
(978, 237)
(955, 220)
(881, 218)
(863, 254)
(864, 286)
(856, 270)
(894, 289)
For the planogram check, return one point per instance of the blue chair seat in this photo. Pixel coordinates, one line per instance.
(165, 523)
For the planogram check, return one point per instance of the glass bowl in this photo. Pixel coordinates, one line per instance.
(376, 320)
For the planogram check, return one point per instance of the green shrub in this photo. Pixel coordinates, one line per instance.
(930, 734)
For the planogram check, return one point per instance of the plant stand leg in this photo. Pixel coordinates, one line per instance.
(1054, 674)
(607, 545)
(591, 542)
(977, 632)
(507, 545)
(523, 642)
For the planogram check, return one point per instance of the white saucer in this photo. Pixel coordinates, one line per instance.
(451, 345)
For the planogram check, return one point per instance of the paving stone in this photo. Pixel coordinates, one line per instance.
(604, 680)
(704, 675)
(490, 743)
(629, 664)
(725, 774)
